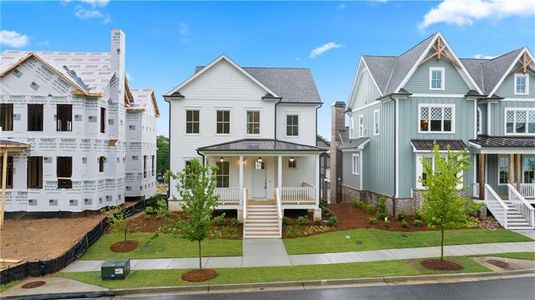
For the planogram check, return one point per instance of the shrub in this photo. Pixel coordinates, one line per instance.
(291, 232)
(381, 208)
(417, 222)
(161, 210)
(404, 223)
(234, 222)
(285, 221)
(386, 223)
(219, 220)
(358, 203)
(402, 216)
(149, 210)
(369, 208)
(417, 215)
(373, 220)
(332, 221)
(302, 220)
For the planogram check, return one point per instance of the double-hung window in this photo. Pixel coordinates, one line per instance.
(355, 164)
(223, 122)
(253, 122)
(6, 116)
(528, 169)
(292, 125)
(192, 121)
(222, 175)
(503, 169)
(521, 84)
(361, 125)
(479, 121)
(352, 127)
(376, 121)
(437, 118)
(436, 78)
(520, 121)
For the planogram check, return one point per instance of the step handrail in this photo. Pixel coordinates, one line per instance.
(244, 195)
(279, 209)
(491, 196)
(526, 210)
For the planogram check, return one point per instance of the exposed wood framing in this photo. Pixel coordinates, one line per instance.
(524, 62)
(440, 51)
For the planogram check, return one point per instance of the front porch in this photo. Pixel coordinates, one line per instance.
(505, 172)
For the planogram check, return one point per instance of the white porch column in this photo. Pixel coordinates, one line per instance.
(279, 174)
(317, 211)
(240, 210)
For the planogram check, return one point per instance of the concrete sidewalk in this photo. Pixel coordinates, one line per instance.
(263, 253)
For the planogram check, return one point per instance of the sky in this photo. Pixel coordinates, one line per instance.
(166, 40)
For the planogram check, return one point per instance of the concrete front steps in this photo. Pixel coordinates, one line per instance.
(261, 222)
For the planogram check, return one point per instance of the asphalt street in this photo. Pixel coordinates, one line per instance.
(510, 289)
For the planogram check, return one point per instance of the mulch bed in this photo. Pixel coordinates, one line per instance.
(349, 217)
(498, 263)
(124, 246)
(33, 284)
(199, 275)
(444, 265)
(152, 224)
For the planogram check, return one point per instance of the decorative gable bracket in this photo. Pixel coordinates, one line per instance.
(524, 62)
(439, 48)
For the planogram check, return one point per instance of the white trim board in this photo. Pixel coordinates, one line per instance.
(525, 50)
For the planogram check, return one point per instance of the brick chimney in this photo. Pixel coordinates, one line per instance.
(338, 123)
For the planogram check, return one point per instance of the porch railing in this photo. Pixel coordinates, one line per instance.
(496, 205)
(298, 195)
(527, 190)
(525, 209)
(244, 205)
(279, 210)
(229, 195)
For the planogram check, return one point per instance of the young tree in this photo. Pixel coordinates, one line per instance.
(119, 223)
(162, 155)
(196, 184)
(445, 206)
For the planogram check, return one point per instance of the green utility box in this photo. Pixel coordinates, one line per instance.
(115, 268)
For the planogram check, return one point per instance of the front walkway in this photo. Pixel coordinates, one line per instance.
(268, 252)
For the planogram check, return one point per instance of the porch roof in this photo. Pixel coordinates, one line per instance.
(259, 145)
(505, 141)
(427, 145)
(359, 143)
(12, 145)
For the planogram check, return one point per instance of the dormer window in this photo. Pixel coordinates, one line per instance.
(521, 84)
(436, 78)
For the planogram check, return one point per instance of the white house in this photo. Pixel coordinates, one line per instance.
(258, 125)
(81, 133)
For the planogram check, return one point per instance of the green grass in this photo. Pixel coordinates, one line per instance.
(153, 278)
(4, 287)
(517, 255)
(163, 246)
(374, 239)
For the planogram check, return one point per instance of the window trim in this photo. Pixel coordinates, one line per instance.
(479, 121)
(515, 109)
(351, 127)
(420, 168)
(376, 122)
(355, 157)
(192, 122)
(443, 79)
(222, 122)
(418, 119)
(361, 126)
(247, 122)
(527, 84)
(524, 170)
(292, 115)
(498, 169)
(227, 175)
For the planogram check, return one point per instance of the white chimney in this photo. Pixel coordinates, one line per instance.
(118, 57)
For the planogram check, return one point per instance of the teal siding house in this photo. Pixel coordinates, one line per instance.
(399, 106)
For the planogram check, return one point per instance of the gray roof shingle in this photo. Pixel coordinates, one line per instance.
(353, 143)
(294, 85)
(427, 145)
(505, 141)
(260, 145)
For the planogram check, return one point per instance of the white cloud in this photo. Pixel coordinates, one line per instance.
(13, 39)
(100, 3)
(183, 28)
(84, 14)
(323, 48)
(341, 6)
(466, 12)
(478, 56)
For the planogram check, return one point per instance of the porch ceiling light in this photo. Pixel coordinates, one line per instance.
(221, 159)
(259, 159)
(291, 159)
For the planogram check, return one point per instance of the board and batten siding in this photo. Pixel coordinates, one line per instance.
(366, 91)
(484, 117)
(507, 88)
(454, 83)
(349, 179)
(408, 129)
(497, 111)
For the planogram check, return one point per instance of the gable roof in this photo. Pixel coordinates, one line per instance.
(292, 85)
(488, 72)
(392, 72)
(143, 98)
(90, 72)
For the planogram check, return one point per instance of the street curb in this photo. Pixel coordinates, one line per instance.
(222, 288)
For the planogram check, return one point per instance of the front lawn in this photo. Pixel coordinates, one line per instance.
(154, 278)
(374, 239)
(162, 246)
(517, 255)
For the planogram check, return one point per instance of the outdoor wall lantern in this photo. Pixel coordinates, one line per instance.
(260, 159)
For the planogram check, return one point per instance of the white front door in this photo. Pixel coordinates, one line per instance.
(259, 180)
